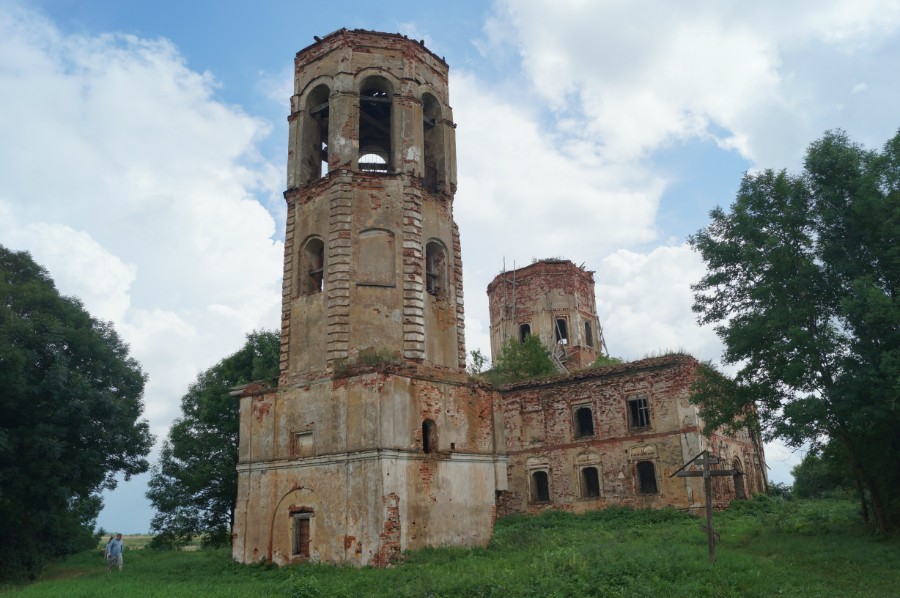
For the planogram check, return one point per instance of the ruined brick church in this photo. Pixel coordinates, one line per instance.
(375, 440)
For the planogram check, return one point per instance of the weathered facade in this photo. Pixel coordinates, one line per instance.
(375, 440)
(552, 299)
(615, 435)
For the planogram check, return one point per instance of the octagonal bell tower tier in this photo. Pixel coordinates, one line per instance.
(372, 254)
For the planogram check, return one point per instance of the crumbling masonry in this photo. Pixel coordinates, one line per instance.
(375, 440)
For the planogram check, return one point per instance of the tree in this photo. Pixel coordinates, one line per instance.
(802, 283)
(193, 487)
(823, 472)
(70, 405)
(521, 361)
(477, 362)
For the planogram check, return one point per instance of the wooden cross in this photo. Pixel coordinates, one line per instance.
(705, 460)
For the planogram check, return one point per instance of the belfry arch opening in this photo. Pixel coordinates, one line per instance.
(375, 149)
(433, 142)
(314, 143)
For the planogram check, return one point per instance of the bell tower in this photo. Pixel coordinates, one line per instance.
(374, 441)
(372, 255)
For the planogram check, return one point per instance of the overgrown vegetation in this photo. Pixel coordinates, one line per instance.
(521, 361)
(605, 360)
(768, 547)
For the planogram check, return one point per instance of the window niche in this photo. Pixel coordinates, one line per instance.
(540, 486)
(302, 444)
(740, 490)
(588, 335)
(639, 413)
(375, 131)
(376, 258)
(524, 332)
(314, 136)
(429, 436)
(311, 273)
(584, 422)
(590, 482)
(562, 331)
(436, 269)
(646, 473)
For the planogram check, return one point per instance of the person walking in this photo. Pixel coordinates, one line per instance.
(114, 553)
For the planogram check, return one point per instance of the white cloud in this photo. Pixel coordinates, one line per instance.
(123, 174)
(525, 192)
(645, 302)
(642, 75)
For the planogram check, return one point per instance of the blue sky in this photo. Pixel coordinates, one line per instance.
(144, 143)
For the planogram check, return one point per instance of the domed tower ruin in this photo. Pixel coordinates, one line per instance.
(552, 299)
(374, 441)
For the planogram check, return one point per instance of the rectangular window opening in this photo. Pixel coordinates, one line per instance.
(639, 412)
(540, 487)
(562, 332)
(646, 477)
(590, 482)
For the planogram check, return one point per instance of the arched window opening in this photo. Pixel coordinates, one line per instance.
(312, 267)
(540, 487)
(590, 482)
(646, 477)
(301, 533)
(314, 143)
(429, 436)
(588, 335)
(584, 422)
(370, 162)
(375, 126)
(739, 490)
(524, 332)
(436, 269)
(433, 140)
(562, 332)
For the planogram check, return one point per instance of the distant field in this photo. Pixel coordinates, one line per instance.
(769, 547)
(131, 541)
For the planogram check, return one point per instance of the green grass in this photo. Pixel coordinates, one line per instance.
(769, 547)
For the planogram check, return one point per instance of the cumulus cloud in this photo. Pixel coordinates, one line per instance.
(527, 192)
(641, 75)
(645, 301)
(126, 177)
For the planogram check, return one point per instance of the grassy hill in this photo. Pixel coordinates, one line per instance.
(768, 547)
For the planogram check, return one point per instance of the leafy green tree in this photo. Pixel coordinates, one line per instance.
(802, 282)
(521, 361)
(823, 472)
(70, 405)
(193, 487)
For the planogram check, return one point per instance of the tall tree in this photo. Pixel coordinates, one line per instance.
(70, 405)
(802, 285)
(194, 485)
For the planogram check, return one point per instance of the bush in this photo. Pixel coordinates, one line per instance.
(521, 361)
